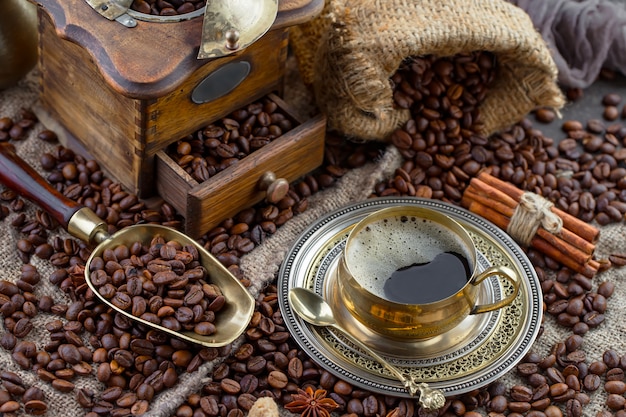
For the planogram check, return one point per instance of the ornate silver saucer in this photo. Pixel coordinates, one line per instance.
(473, 354)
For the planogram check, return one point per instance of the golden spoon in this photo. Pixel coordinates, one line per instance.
(313, 309)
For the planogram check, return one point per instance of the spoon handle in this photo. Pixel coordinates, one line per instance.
(17, 175)
(429, 398)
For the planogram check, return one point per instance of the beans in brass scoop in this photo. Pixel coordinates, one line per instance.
(186, 292)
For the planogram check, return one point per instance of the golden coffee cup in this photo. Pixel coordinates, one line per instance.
(400, 269)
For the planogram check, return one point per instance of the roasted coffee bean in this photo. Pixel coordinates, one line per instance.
(614, 374)
(10, 407)
(4, 396)
(123, 358)
(573, 408)
(521, 393)
(62, 385)
(170, 378)
(8, 341)
(591, 382)
(126, 400)
(615, 401)
(245, 402)
(142, 347)
(611, 99)
(22, 327)
(8, 288)
(295, 368)
(277, 379)
(606, 289)
(527, 369)
(70, 354)
(35, 407)
(230, 386)
(618, 259)
(545, 115)
(615, 387)
(204, 328)
(111, 394)
(209, 405)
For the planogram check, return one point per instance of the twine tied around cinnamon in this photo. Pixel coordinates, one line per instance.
(531, 212)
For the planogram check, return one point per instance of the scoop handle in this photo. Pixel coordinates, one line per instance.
(17, 175)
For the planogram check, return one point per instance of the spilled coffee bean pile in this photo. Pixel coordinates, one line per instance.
(571, 298)
(269, 363)
(167, 7)
(524, 156)
(564, 379)
(163, 284)
(221, 144)
(436, 143)
(135, 364)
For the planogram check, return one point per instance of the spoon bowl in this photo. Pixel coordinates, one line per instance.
(313, 309)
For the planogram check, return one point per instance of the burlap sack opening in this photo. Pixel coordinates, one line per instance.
(350, 51)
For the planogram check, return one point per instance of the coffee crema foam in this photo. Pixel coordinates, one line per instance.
(384, 246)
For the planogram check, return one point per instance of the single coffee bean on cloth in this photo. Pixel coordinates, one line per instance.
(348, 54)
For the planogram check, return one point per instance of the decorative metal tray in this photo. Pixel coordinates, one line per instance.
(473, 354)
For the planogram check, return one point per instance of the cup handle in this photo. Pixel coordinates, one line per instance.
(504, 272)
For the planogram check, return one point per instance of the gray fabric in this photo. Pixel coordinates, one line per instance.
(583, 36)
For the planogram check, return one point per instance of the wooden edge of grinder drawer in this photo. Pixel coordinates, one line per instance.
(205, 205)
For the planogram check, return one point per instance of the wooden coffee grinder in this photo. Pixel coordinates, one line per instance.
(120, 86)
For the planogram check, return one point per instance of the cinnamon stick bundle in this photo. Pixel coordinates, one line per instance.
(572, 246)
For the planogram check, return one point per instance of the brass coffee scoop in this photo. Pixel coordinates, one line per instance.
(313, 309)
(82, 223)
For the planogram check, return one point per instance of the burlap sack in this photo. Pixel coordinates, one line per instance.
(304, 40)
(349, 52)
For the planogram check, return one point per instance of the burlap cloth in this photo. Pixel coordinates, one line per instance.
(261, 265)
(349, 52)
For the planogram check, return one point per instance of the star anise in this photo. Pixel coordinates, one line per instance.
(311, 403)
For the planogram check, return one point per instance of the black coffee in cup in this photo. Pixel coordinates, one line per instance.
(426, 282)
